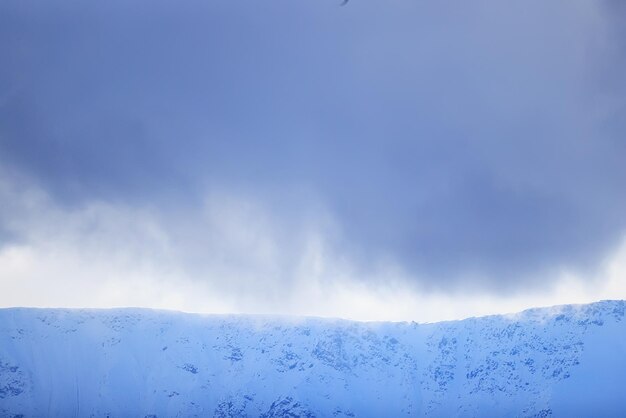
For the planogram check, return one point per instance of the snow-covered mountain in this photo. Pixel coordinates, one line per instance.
(567, 361)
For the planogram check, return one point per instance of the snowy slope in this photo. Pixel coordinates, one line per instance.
(564, 362)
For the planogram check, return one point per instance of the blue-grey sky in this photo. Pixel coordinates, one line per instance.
(469, 144)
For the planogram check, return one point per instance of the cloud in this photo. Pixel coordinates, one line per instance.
(234, 260)
(473, 147)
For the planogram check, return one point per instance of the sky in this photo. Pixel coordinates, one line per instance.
(406, 160)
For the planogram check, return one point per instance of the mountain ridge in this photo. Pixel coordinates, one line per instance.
(565, 360)
(288, 317)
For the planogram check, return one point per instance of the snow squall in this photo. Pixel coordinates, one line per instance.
(566, 361)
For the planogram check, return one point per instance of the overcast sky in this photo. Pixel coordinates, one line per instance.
(406, 159)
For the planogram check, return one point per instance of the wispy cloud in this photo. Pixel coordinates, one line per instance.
(230, 257)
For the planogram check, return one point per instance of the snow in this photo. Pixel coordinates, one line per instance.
(562, 361)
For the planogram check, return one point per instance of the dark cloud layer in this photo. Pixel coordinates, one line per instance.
(464, 139)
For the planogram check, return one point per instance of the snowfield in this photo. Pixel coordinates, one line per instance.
(566, 361)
